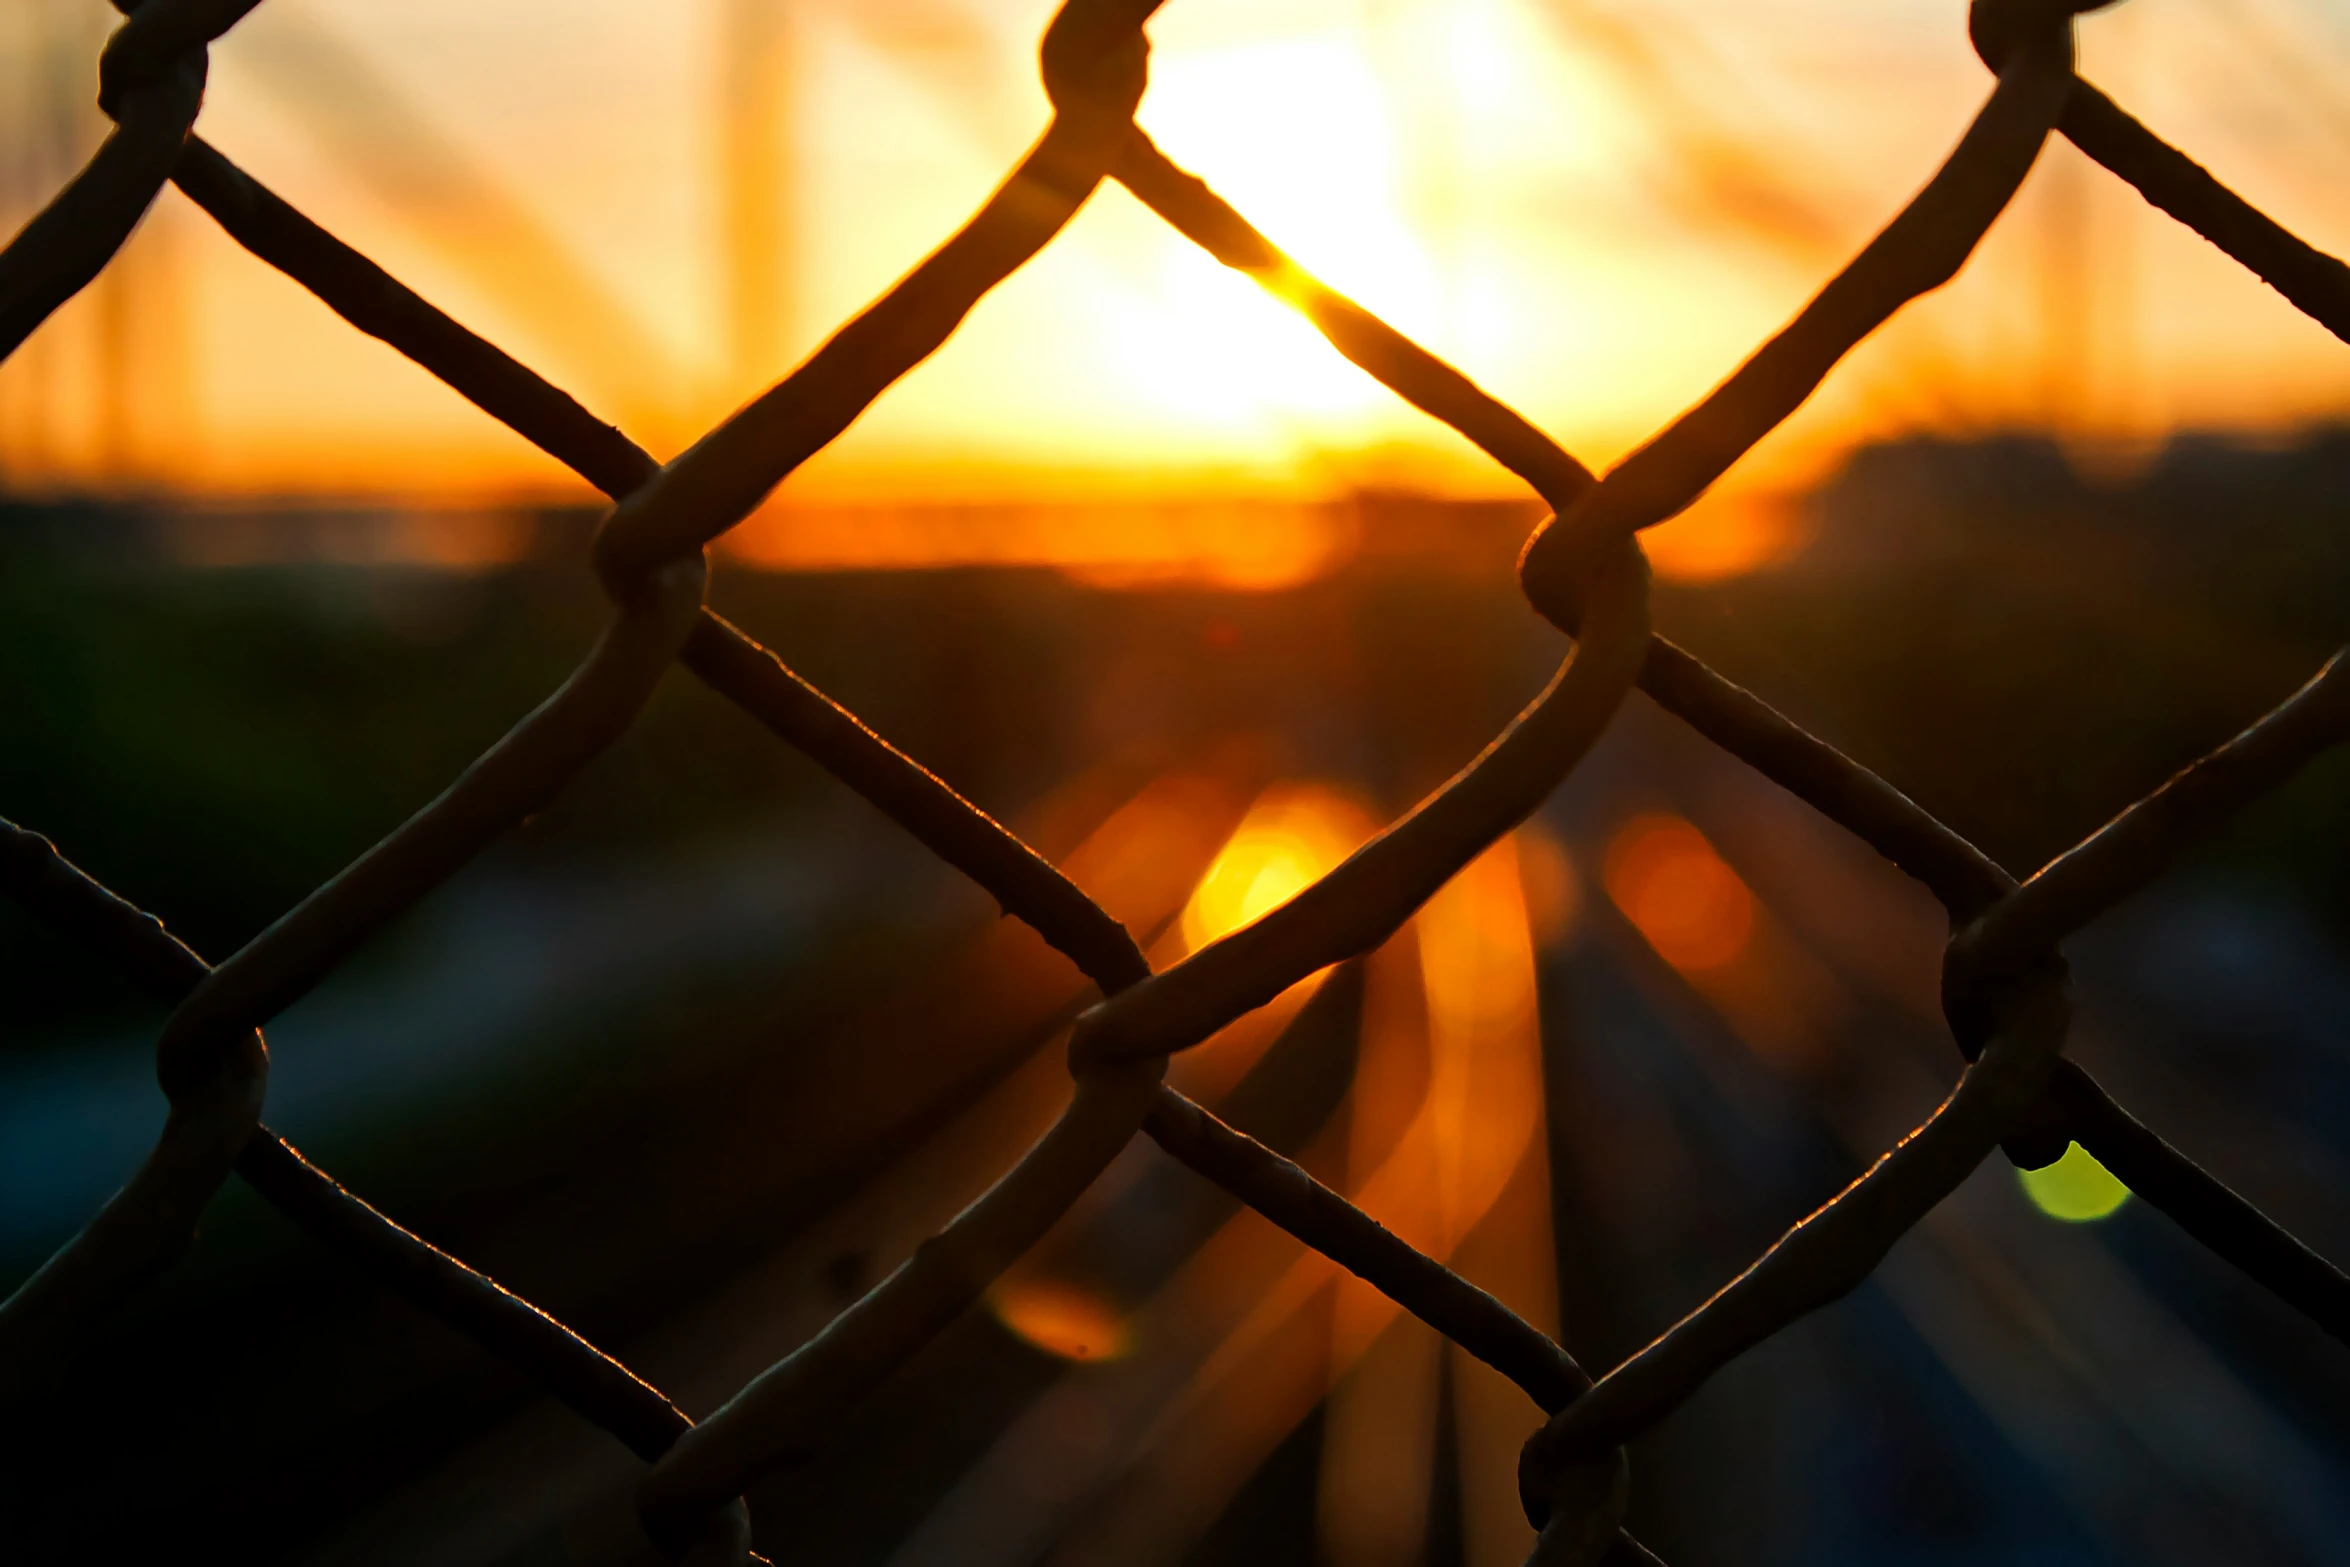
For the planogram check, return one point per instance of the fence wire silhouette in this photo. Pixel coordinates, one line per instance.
(2004, 983)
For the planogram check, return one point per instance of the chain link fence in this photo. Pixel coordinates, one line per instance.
(2004, 982)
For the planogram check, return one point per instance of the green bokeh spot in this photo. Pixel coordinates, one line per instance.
(2076, 1188)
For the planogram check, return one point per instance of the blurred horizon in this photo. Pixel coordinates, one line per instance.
(1595, 209)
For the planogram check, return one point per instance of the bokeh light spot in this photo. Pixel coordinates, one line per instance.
(1063, 1320)
(1292, 837)
(2076, 1188)
(1554, 896)
(1677, 891)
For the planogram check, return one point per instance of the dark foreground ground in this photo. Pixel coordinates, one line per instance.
(698, 1054)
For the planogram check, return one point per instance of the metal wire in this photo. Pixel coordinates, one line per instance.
(2004, 983)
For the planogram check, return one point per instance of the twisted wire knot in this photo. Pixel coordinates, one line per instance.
(1559, 581)
(1977, 992)
(1577, 1503)
(1095, 61)
(1095, 57)
(1996, 27)
(164, 45)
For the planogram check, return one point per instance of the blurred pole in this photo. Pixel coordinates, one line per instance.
(2069, 329)
(147, 420)
(1379, 1451)
(56, 124)
(2122, 351)
(113, 303)
(1510, 1254)
(755, 171)
(1591, 1315)
(1379, 1426)
(1485, 1054)
(525, 268)
(20, 33)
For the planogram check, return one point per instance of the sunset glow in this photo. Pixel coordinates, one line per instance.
(1596, 211)
(1239, 548)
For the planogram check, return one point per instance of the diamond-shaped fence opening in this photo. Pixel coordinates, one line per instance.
(2004, 983)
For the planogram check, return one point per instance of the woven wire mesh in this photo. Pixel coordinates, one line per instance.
(2004, 983)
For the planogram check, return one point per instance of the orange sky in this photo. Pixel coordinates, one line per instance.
(1597, 207)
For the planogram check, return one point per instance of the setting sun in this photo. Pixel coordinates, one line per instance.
(1588, 213)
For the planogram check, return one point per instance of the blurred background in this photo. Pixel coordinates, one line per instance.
(1139, 565)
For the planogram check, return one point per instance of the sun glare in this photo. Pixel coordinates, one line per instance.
(1669, 882)
(1298, 132)
(1303, 135)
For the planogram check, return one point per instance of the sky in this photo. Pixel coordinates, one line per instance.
(1596, 207)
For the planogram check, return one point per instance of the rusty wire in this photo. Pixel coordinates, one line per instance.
(2004, 982)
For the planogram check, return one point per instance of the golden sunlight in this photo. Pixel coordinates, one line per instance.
(1291, 837)
(1294, 835)
(1207, 345)
(1676, 890)
(1597, 213)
